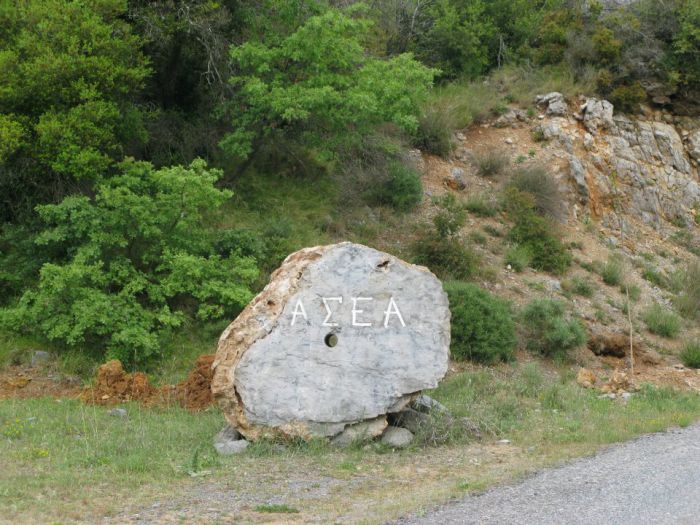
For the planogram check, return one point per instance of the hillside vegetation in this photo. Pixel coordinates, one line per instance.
(158, 159)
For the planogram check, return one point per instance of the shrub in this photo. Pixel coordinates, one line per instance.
(687, 302)
(480, 205)
(519, 257)
(402, 190)
(434, 134)
(627, 98)
(440, 249)
(537, 182)
(448, 258)
(139, 260)
(490, 162)
(611, 271)
(547, 331)
(535, 233)
(580, 286)
(690, 355)
(450, 217)
(482, 325)
(661, 321)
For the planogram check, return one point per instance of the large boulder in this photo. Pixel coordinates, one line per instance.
(342, 334)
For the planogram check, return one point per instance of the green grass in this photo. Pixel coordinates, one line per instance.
(65, 448)
(541, 409)
(65, 461)
(279, 509)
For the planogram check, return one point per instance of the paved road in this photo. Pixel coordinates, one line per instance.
(651, 480)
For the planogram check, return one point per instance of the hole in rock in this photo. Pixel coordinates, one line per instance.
(331, 340)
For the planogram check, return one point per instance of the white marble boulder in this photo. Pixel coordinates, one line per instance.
(341, 335)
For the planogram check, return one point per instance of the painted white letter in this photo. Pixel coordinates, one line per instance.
(355, 311)
(299, 310)
(328, 309)
(395, 311)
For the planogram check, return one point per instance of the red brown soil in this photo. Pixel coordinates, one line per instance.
(113, 386)
(195, 391)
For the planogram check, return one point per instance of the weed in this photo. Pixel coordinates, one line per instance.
(519, 257)
(661, 321)
(690, 355)
(276, 508)
(687, 300)
(490, 162)
(611, 271)
(480, 205)
(580, 286)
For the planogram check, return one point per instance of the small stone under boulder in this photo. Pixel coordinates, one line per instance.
(342, 334)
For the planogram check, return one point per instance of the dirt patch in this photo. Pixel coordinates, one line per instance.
(114, 386)
(17, 382)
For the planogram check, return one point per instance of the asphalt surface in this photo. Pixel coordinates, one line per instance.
(653, 479)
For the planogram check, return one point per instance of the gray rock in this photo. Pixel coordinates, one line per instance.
(410, 419)
(458, 178)
(597, 114)
(397, 437)
(39, 357)
(118, 412)
(578, 173)
(228, 433)
(425, 403)
(555, 103)
(343, 333)
(363, 431)
(693, 145)
(228, 448)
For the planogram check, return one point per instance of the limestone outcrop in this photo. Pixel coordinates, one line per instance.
(343, 334)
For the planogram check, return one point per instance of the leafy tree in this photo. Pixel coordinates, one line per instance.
(686, 43)
(70, 70)
(318, 88)
(136, 260)
(457, 39)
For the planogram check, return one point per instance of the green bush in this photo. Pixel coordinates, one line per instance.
(547, 331)
(538, 183)
(480, 205)
(440, 248)
(519, 257)
(661, 321)
(402, 189)
(580, 286)
(626, 98)
(482, 325)
(687, 301)
(434, 134)
(139, 260)
(448, 258)
(536, 234)
(690, 355)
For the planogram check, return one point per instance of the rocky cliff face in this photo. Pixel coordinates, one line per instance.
(643, 168)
